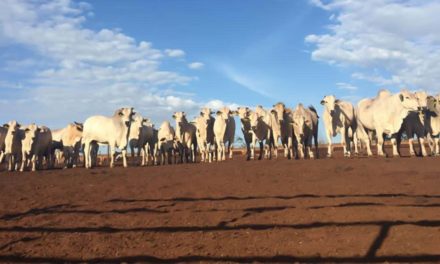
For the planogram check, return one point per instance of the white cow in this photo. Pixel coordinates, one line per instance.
(113, 131)
(209, 138)
(201, 123)
(284, 127)
(340, 118)
(166, 138)
(415, 125)
(137, 138)
(244, 114)
(68, 140)
(186, 137)
(36, 144)
(13, 145)
(305, 128)
(3, 132)
(224, 131)
(433, 123)
(271, 121)
(384, 115)
(261, 133)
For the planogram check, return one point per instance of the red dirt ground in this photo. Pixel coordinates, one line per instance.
(327, 210)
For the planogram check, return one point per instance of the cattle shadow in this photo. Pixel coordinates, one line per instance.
(280, 197)
(228, 259)
(223, 226)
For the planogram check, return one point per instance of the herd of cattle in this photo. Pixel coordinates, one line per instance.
(34, 147)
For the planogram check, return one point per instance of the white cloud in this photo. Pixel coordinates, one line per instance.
(388, 41)
(196, 65)
(346, 86)
(76, 72)
(250, 83)
(175, 53)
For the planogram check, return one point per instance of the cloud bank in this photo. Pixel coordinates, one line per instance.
(70, 72)
(386, 42)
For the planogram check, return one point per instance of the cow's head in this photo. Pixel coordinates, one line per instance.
(243, 113)
(206, 112)
(222, 115)
(179, 117)
(125, 114)
(12, 126)
(433, 104)
(255, 119)
(137, 121)
(408, 100)
(278, 111)
(422, 97)
(329, 102)
(78, 126)
(30, 132)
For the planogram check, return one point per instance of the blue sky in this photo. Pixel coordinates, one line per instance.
(66, 60)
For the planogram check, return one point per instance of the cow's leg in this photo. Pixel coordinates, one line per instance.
(124, 157)
(329, 135)
(143, 155)
(230, 148)
(34, 162)
(379, 135)
(290, 147)
(23, 161)
(355, 143)
(10, 159)
(87, 150)
(301, 149)
(309, 147)
(252, 148)
(394, 144)
(411, 146)
(344, 141)
(436, 146)
(422, 147)
(112, 149)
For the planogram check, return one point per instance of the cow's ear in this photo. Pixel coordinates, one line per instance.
(273, 111)
(322, 102)
(27, 130)
(174, 116)
(401, 97)
(219, 112)
(247, 108)
(6, 125)
(201, 113)
(337, 101)
(18, 125)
